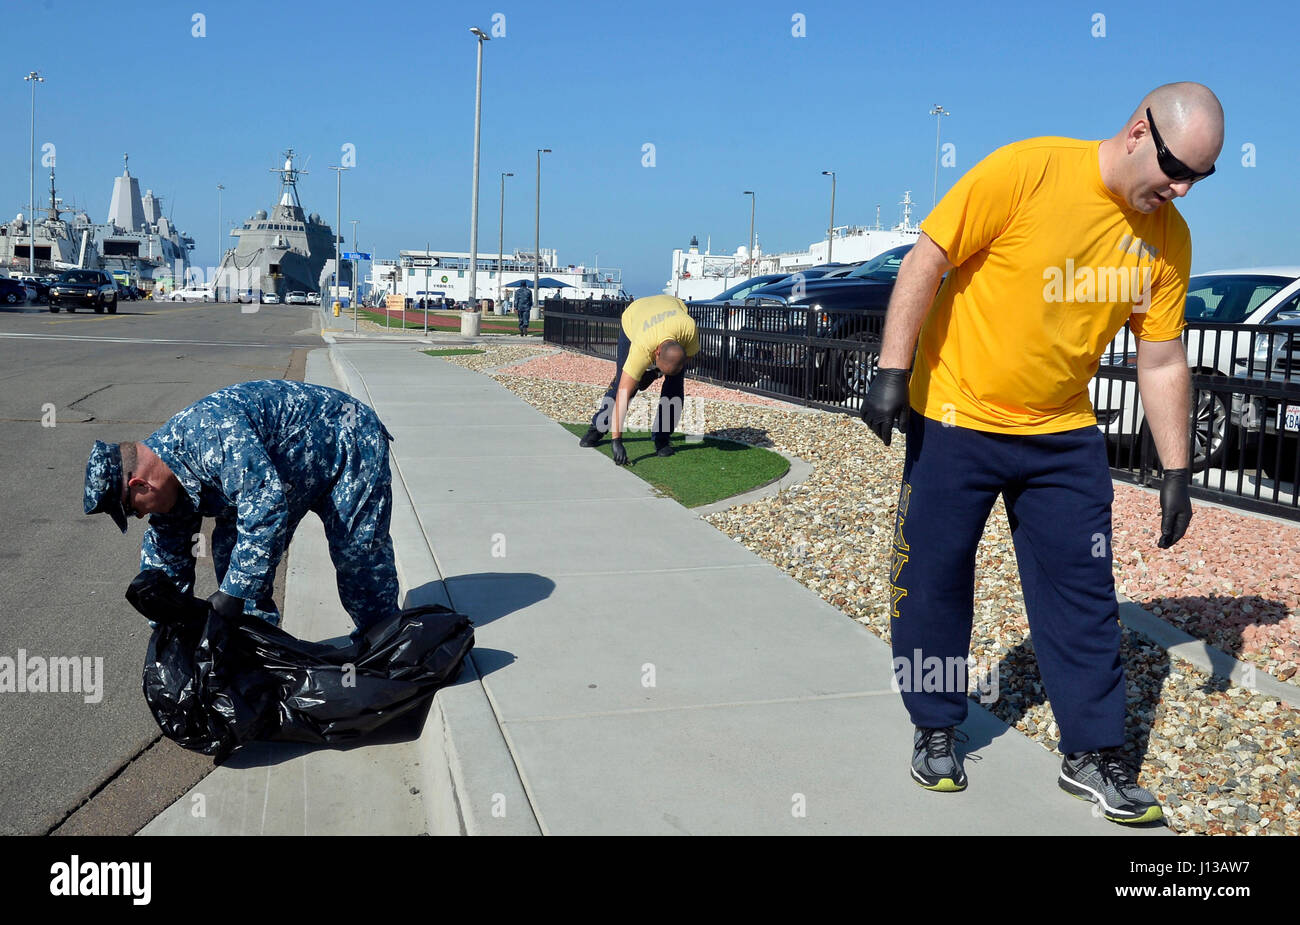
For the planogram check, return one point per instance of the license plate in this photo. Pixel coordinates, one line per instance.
(1289, 417)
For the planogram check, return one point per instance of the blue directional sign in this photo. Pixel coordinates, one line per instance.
(356, 256)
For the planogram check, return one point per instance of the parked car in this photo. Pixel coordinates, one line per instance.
(93, 289)
(848, 308)
(1243, 296)
(313, 298)
(784, 287)
(39, 286)
(296, 298)
(12, 291)
(270, 298)
(193, 294)
(738, 292)
(1274, 357)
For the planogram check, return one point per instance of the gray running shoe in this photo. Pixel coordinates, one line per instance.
(1104, 777)
(935, 765)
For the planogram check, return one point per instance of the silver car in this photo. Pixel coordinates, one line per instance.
(1257, 295)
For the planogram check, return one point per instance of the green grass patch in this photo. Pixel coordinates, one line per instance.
(700, 472)
(451, 352)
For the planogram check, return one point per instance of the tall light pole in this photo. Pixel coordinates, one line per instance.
(938, 112)
(35, 79)
(338, 234)
(830, 234)
(537, 231)
(356, 263)
(220, 252)
(473, 219)
(501, 240)
(752, 199)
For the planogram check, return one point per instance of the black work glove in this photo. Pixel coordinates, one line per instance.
(1175, 506)
(620, 454)
(227, 606)
(886, 402)
(650, 376)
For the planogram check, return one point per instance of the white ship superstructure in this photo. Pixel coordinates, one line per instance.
(418, 274)
(139, 244)
(59, 244)
(698, 275)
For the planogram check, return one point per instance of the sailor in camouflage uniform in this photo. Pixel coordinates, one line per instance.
(257, 457)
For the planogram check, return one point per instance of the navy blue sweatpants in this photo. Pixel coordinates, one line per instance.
(671, 397)
(1058, 494)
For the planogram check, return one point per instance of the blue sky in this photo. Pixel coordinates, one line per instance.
(728, 96)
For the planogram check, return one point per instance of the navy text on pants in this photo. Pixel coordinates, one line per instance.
(1058, 492)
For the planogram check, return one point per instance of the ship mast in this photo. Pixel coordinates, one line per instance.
(289, 180)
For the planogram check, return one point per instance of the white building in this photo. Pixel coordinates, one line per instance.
(698, 275)
(418, 274)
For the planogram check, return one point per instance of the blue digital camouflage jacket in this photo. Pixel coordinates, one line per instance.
(257, 456)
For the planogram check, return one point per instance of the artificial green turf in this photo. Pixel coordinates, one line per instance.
(451, 352)
(698, 473)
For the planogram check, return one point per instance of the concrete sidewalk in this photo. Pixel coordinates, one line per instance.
(635, 670)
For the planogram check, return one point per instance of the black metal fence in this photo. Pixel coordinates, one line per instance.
(1246, 382)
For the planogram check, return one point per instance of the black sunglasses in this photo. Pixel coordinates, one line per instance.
(1174, 168)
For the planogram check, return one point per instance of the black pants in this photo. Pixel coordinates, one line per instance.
(670, 404)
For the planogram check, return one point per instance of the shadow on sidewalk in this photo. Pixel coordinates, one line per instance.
(483, 597)
(488, 596)
(1020, 689)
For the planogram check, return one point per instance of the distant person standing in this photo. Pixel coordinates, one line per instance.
(523, 307)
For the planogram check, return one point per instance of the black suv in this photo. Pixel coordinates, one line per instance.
(786, 331)
(76, 289)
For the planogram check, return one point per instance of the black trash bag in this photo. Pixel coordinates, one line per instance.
(215, 683)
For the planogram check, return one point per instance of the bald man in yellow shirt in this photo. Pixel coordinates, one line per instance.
(656, 337)
(1049, 245)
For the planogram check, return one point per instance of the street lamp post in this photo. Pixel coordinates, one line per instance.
(830, 234)
(35, 79)
(338, 235)
(220, 252)
(356, 265)
(473, 219)
(752, 265)
(537, 231)
(501, 240)
(938, 112)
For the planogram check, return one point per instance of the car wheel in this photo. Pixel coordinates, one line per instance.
(851, 371)
(12, 298)
(112, 308)
(54, 309)
(1277, 457)
(1212, 431)
(99, 309)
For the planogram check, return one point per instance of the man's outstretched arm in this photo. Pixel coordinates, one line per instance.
(1165, 383)
(913, 294)
(918, 280)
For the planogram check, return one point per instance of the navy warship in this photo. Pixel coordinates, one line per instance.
(139, 244)
(59, 244)
(281, 252)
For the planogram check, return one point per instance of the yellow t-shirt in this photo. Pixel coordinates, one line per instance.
(649, 322)
(1049, 264)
